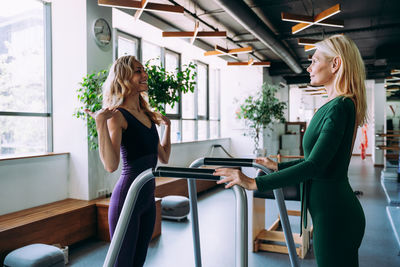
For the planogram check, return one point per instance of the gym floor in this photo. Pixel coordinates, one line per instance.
(174, 247)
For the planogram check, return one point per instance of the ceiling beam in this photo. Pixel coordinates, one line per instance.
(196, 31)
(320, 19)
(138, 5)
(202, 34)
(139, 12)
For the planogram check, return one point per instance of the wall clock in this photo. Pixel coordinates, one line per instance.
(102, 32)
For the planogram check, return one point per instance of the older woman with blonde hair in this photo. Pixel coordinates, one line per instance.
(126, 126)
(337, 215)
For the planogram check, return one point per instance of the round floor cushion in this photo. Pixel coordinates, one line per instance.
(175, 207)
(35, 255)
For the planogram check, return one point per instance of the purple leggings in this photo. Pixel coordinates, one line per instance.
(141, 225)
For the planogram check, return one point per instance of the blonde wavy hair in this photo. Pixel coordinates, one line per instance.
(118, 86)
(350, 78)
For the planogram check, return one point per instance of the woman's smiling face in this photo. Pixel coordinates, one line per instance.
(140, 77)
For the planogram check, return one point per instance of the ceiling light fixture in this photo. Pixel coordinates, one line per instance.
(309, 47)
(220, 51)
(394, 72)
(250, 63)
(304, 41)
(141, 6)
(320, 19)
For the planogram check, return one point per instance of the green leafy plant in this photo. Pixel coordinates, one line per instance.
(261, 110)
(163, 88)
(91, 97)
(166, 87)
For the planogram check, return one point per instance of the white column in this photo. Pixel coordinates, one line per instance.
(379, 105)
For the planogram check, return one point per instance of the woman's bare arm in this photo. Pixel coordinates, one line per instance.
(109, 124)
(164, 148)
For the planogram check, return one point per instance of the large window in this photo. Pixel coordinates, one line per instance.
(25, 78)
(214, 103)
(196, 117)
(172, 63)
(151, 52)
(127, 45)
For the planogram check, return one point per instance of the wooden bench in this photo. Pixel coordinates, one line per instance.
(102, 219)
(65, 222)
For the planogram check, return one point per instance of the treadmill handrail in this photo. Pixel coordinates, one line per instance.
(189, 173)
(244, 162)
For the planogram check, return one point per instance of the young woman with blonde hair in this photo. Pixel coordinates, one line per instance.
(126, 126)
(337, 215)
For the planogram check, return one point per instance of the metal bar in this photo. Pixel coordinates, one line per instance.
(242, 162)
(194, 217)
(241, 227)
(241, 223)
(284, 220)
(245, 162)
(26, 114)
(125, 217)
(48, 74)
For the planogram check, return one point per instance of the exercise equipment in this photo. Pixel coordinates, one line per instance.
(191, 174)
(238, 162)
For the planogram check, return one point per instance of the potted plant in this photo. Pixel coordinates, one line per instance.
(260, 111)
(163, 88)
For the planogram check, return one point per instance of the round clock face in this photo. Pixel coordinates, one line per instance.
(102, 32)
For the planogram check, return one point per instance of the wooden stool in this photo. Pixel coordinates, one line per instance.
(269, 239)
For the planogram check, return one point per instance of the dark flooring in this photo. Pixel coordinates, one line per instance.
(216, 210)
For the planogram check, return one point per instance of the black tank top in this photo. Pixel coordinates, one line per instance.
(139, 144)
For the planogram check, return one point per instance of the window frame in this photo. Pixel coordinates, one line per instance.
(174, 116)
(48, 81)
(116, 34)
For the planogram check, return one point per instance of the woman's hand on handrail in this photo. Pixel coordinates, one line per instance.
(267, 162)
(235, 177)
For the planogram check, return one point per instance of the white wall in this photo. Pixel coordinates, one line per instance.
(237, 83)
(69, 66)
(98, 58)
(31, 182)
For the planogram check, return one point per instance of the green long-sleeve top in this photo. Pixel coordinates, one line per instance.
(327, 145)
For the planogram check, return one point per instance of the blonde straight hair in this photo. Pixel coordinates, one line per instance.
(350, 78)
(118, 85)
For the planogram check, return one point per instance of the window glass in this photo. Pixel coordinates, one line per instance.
(214, 95)
(188, 130)
(172, 65)
(22, 70)
(20, 135)
(24, 117)
(151, 52)
(214, 129)
(188, 107)
(202, 89)
(175, 132)
(202, 133)
(127, 46)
